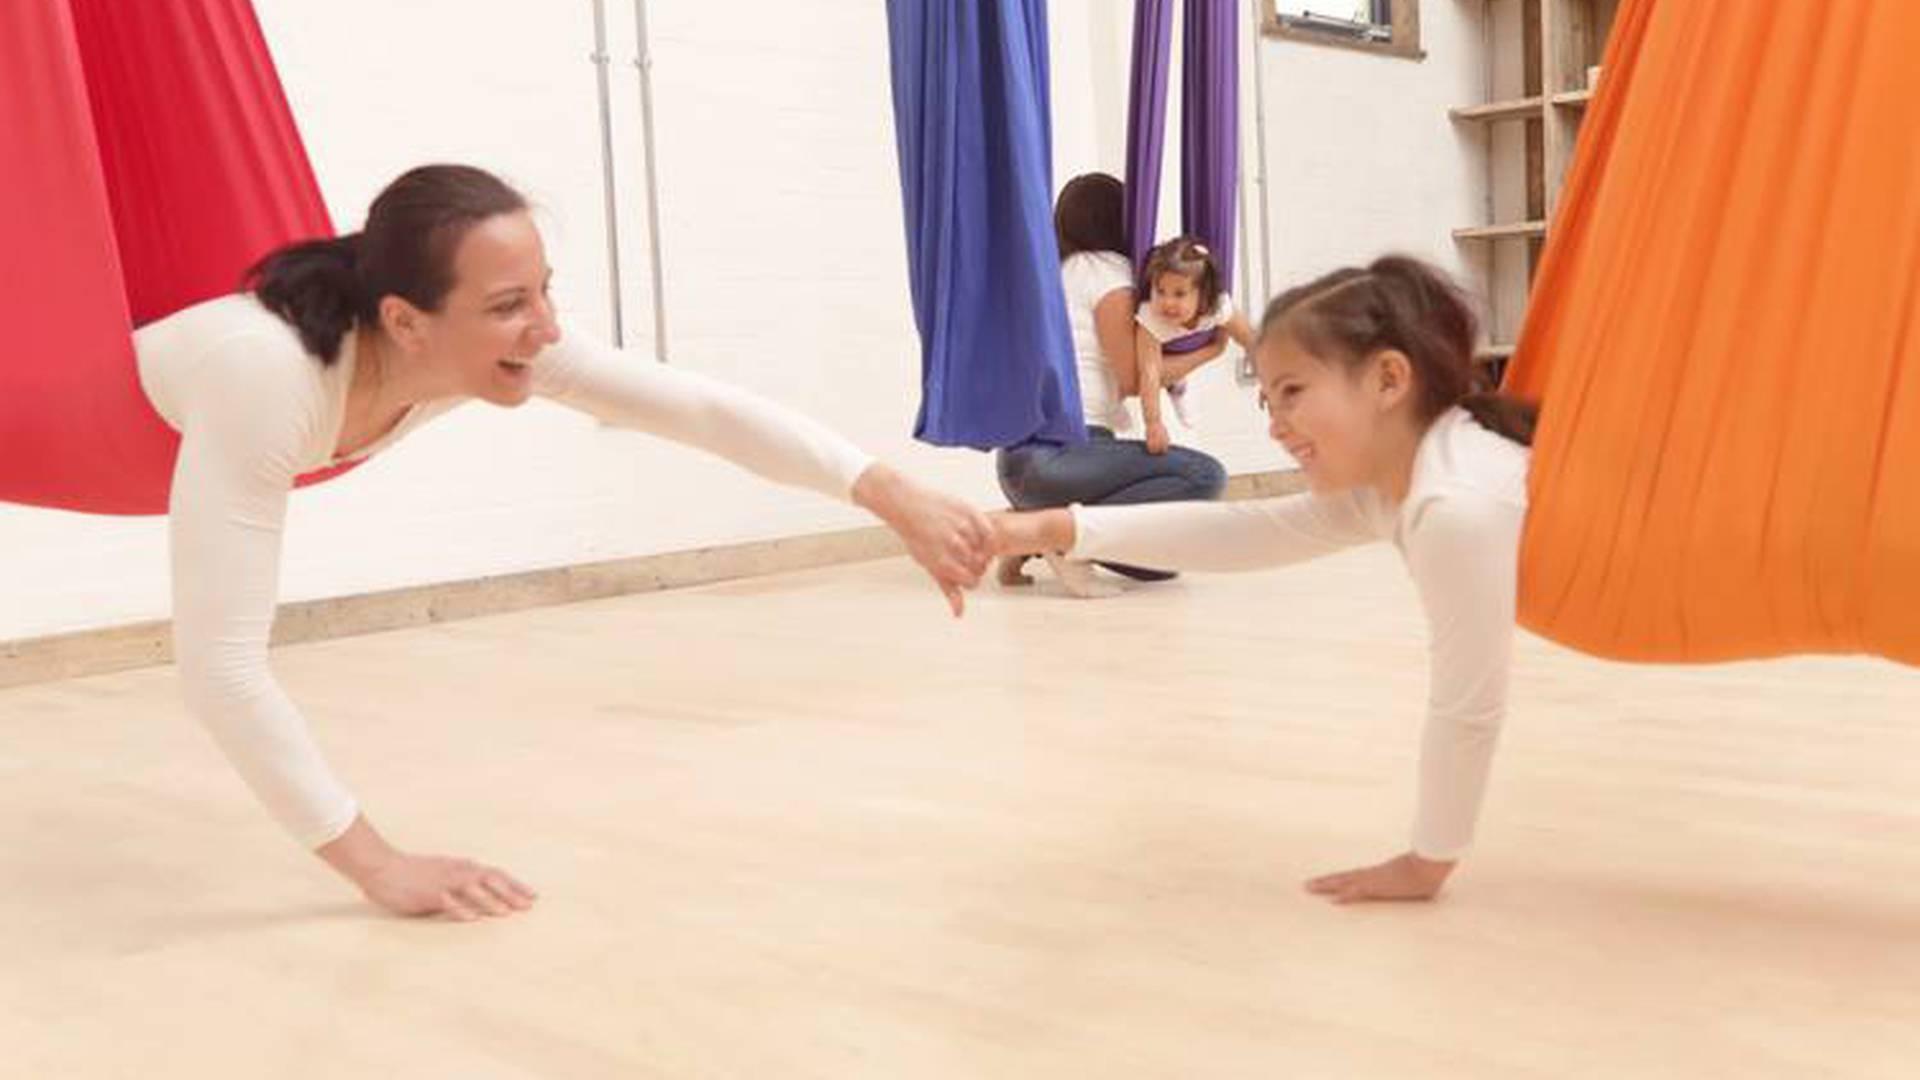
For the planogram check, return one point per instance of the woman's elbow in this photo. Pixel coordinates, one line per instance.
(213, 678)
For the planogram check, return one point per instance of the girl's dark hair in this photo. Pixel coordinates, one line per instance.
(1403, 304)
(1089, 215)
(1191, 259)
(324, 287)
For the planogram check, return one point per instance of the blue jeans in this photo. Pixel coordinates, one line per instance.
(1105, 471)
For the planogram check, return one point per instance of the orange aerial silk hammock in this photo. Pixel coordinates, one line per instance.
(1725, 342)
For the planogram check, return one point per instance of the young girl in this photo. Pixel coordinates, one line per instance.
(1366, 377)
(1184, 298)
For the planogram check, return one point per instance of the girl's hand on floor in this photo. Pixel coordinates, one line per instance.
(1403, 877)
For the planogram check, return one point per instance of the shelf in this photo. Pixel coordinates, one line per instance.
(1541, 71)
(1498, 232)
(1515, 109)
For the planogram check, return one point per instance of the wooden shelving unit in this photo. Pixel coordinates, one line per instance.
(1546, 47)
(1516, 109)
(1500, 232)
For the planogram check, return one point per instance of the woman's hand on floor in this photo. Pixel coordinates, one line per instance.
(1403, 877)
(407, 884)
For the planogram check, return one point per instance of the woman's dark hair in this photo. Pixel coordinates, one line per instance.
(1089, 215)
(324, 287)
(1403, 304)
(1189, 258)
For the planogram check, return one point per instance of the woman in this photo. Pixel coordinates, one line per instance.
(341, 348)
(1104, 470)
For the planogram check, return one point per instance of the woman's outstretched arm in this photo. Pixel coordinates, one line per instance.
(946, 537)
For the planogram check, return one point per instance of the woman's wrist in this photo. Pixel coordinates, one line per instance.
(879, 490)
(358, 853)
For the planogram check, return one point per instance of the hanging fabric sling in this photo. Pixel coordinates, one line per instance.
(1209, 125)
(970, 108)
(1725, 339)
(151, 158)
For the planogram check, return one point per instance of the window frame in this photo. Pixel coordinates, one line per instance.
(1403, 39)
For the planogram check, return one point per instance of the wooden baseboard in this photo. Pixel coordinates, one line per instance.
(1265, 485)
(120, 648)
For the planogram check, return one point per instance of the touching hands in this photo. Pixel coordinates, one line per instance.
(952, 542)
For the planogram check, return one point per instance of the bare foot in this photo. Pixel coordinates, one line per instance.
(1012, 572)
(1078, 578)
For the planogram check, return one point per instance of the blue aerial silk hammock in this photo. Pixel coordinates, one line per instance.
(970, 106)
(971, 123)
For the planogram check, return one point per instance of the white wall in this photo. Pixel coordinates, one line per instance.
(784, 252)
(1361, 155)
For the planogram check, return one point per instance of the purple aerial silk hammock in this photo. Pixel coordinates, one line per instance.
(1209, 130)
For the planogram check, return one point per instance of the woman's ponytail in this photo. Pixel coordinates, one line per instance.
(315, 286)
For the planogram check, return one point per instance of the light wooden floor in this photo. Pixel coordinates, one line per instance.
(807, 827)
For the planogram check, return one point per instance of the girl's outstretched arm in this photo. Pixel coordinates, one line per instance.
(1248, 534)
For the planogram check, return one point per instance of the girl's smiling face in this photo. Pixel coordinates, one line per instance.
(1329, 415)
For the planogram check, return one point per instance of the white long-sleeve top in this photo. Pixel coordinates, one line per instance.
(255, 411)
(1458, 530)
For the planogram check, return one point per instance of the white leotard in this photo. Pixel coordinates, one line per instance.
(1458, 531)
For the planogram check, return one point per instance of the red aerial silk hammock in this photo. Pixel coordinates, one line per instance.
(148, 158)
(1725, 343)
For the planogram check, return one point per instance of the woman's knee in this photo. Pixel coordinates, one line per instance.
(1010, 468)
(1028, 477)
(1205, 474)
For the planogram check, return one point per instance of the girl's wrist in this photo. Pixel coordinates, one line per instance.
(1058, 529)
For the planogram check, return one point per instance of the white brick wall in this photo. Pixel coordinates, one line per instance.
(784, 255)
